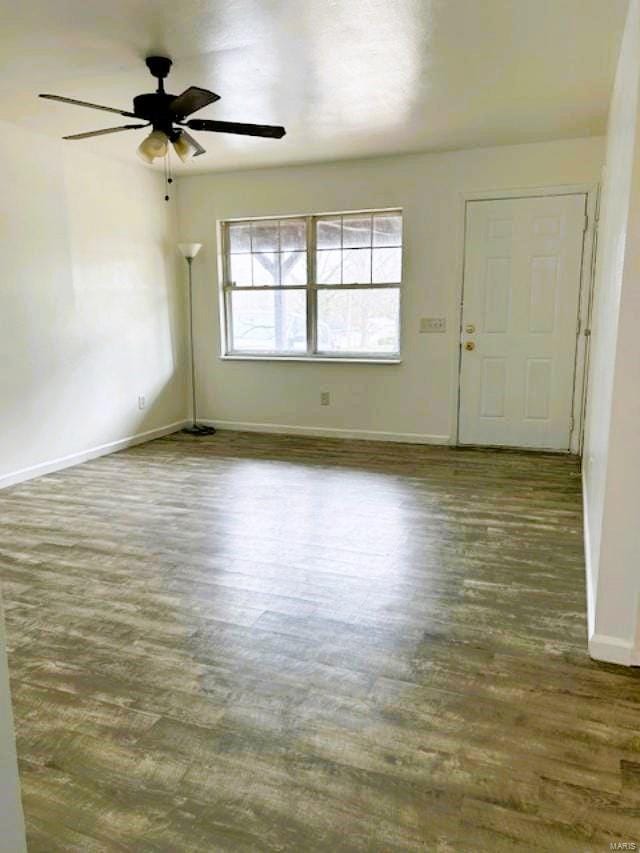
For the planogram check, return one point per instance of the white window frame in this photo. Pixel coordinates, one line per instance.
(311, 289)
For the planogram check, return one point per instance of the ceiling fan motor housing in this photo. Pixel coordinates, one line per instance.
(154, 107)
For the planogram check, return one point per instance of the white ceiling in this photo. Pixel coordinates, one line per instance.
(348, 78)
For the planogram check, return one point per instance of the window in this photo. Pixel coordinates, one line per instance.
(314, 286)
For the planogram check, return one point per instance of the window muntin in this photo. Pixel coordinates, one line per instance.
(359, 248)
(267, 253)
(314, 286)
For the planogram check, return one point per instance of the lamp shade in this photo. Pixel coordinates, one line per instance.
(154, 145)
(184, 148)
(189, 250)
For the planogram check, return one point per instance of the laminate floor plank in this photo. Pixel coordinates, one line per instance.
(250, 642)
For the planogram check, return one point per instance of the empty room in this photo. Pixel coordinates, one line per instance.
(320, 426)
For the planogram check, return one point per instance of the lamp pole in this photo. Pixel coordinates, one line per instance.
(194, 411)
(189, 251)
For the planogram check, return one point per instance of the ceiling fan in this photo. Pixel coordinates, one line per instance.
(167, 116)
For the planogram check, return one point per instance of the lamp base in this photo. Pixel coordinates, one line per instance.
(199, 430)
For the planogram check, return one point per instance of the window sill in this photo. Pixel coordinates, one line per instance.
(313, 360)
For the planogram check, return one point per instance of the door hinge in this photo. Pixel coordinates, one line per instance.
(572, 423)
(586, 222)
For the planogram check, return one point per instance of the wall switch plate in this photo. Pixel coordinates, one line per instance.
(433, 324)
(141, 401)
(325, 398)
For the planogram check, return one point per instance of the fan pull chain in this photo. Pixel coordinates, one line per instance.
(168, 175)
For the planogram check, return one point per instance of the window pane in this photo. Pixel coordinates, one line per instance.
(264, 236)
(356, 266)
(387, 229)
(240, 270)
(293, 234)
(270, 321)
(329, 263)
(266, 269)
(387, 266)
(328, 233)
(359, 321)
(293, 268)
(240, 237)
(356, 231)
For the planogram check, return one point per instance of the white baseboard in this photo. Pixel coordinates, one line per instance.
(327, 432)
(49, 467)
(613, 650)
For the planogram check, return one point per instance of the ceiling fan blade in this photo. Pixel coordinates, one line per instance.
(90, 133)
(199, 149)
(192, 99)
(87, 104)
(266, 130)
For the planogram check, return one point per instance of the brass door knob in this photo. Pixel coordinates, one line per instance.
(469, 345)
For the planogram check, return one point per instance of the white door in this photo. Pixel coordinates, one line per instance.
(523, 260)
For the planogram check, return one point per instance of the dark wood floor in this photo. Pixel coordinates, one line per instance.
(268, 643)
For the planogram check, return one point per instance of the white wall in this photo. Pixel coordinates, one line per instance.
(612, 440)
(91, 316)
(89, 305)
(415, 399)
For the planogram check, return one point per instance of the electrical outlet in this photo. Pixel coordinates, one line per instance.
(433, 324)
(325, 398)
(141, 401)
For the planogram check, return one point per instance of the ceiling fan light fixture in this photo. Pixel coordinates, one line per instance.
(184, 148)
(154, 145)
(142, 154)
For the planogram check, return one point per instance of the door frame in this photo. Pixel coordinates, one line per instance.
(590, 190)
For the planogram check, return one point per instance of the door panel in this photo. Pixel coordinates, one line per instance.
(497, 295)
(494, 374)
(520, 310)
(543, 294)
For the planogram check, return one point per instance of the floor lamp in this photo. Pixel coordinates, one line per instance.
(189, 251)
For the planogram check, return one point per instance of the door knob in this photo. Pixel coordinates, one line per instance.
(470, 329)
(469, 345)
